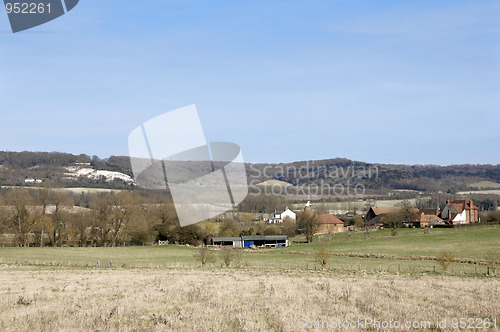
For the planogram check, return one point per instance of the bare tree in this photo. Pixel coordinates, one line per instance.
(79, 224)
(492, 261)
(42, 198)
(102, 219)
(59, 217)
(395, 219)
(227, 256)
(289, 227)
(125, 213)
(204, 256)
(308, 224)
(21, 218)
(4, 217)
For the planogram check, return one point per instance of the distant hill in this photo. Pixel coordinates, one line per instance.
(115, 172)
(378, 177)
(64, 170)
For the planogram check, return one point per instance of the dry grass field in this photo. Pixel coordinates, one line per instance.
(147, 299)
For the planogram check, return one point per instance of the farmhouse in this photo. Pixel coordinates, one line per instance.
(280, 216)
(426, 220)
(460, 211)
(328, 223)
(252, 241)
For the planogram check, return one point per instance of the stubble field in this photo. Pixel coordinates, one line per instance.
(91, 299)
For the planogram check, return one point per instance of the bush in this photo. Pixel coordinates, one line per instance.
(322, 256)
(492, 261)
(227, 256)
(445, 259)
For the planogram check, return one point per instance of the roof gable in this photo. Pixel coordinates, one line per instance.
(328, 219)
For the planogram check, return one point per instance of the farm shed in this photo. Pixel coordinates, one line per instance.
(265, 241)
(235, 242)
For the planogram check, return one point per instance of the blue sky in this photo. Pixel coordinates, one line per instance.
(414, 82)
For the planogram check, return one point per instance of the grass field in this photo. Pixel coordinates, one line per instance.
(361, 205)
(465, 243)
(163, 288)
(485, 184)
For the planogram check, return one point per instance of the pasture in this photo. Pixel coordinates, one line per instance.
(163, 288)
(409, 250)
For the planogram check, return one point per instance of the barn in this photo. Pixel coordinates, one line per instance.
(234, 242)
(252, 241)
(265, 241)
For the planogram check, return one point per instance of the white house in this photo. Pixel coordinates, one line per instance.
(30, 180)
(280, 216)
(289, 213)
(460, 212)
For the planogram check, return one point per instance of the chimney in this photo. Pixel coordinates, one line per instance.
(447, 201)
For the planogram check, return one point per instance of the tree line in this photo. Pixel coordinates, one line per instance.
(55, 217)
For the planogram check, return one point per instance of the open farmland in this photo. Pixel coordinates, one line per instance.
(163, 288)
(41, 298)
(465, 243)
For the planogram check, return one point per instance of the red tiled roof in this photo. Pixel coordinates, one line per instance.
(428, 218)
(328, 219)
(459, 207)
(462, 204)
(431, 212)
(384, 210)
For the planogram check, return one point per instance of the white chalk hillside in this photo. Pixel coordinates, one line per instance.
(76, 171)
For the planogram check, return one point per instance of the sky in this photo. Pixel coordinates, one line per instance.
(407, 82)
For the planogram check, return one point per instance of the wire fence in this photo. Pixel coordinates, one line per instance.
(454, 269)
